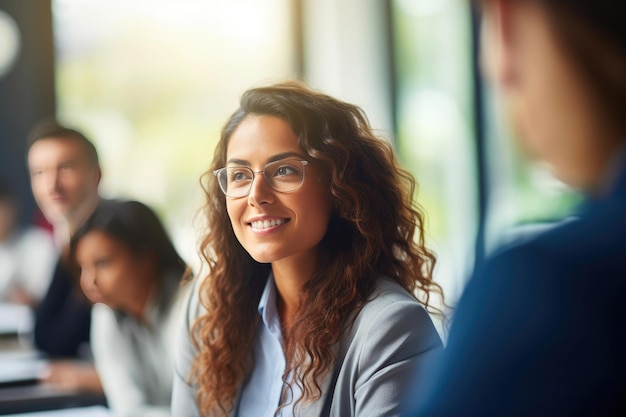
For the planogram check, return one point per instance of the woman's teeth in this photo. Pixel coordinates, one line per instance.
(264, 224)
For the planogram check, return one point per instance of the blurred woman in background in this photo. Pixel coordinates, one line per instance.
(131, 271)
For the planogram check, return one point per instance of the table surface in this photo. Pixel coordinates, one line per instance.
(39, 397)
(20, 389)
(20, 365)
(92, 411)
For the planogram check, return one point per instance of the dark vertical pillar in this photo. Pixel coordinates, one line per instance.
(299, 38)
(27, 92)
(391, 59)
(481, 141)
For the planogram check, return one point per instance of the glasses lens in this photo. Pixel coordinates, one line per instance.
(285, 175)
(235, 181)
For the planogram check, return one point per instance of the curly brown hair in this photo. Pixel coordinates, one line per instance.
(376, 229)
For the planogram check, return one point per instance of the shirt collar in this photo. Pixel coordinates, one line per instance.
(267, 308)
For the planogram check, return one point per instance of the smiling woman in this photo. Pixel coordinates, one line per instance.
(316, 254)
(299, 214)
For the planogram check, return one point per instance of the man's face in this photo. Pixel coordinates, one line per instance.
(63, 178)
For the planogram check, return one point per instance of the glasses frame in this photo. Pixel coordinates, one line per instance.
(217, 172)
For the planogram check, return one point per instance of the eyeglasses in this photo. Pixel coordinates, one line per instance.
(283, 176)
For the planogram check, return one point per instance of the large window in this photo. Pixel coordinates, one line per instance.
(435, 137)
(477, 187)
(152, 82)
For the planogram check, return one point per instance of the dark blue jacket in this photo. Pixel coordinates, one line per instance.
(63, 319)
(539, 330)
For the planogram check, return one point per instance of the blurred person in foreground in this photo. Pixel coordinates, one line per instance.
(27, 254)
(132, 272)
(319, 279)
(540, 327)
(65, 174)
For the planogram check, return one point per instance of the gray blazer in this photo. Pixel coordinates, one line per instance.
(391, 339)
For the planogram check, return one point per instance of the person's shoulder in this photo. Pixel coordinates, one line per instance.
(578, 245)
(387, 293)
(103, 310)
(599, 228)
(525, 263)
(391, 304)
(391, 319)
(578, 258)
(104, 320)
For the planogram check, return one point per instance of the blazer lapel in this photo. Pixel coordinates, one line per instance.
(321, 407)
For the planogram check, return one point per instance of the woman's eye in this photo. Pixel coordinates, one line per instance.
(102, 263)
(285, 170)
(239, 176)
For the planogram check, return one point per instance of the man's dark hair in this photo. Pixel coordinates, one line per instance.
(51, 128)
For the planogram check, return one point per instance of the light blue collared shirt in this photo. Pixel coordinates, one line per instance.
(262, 391)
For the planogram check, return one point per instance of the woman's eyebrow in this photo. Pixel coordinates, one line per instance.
(237, 162)
(285, 155)
(274, 158)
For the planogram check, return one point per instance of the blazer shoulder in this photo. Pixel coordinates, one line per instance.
(391, 310)
(388, 296)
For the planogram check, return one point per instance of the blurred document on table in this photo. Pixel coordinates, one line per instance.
(19, 368)
(15, 319)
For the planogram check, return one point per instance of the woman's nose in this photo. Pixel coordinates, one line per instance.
(260, 191)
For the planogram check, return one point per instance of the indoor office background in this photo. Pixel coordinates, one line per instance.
(152, 82)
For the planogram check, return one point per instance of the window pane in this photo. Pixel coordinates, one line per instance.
(152, 82)
(435, 131)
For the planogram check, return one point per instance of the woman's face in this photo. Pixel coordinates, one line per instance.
(271, 225)
(113, 274)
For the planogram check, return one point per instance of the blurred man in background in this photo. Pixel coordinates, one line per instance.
(65, 174)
